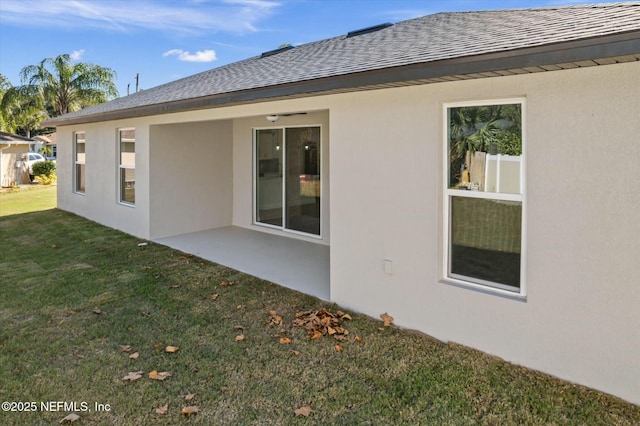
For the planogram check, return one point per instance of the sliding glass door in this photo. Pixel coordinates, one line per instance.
(287, 178)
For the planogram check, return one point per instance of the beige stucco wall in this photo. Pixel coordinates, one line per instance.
(9, 173)
(100, 200)
(191, 177)
(580, 320)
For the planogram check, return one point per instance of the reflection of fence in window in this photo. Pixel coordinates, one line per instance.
(495, 173)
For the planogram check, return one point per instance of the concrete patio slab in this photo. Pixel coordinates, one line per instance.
(296, 264)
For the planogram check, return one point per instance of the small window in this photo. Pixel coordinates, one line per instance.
(79, 145)
(484, 194)
(127, 166)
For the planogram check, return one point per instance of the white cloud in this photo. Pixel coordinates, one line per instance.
(76, 54)
(199, 56)
(235, 16)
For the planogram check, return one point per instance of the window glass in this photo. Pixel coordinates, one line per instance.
(127, 154)
(80, 161)
(484, 193)
(485, 148)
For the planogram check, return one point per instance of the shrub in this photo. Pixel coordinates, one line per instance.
(44, 168)
(44, 172)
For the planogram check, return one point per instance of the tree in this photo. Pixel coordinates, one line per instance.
(4, 86)
(67, 87)
(23, 108)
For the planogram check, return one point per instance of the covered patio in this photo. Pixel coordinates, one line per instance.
(296, 264)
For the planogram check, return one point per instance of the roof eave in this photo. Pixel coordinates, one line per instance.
(602, 47)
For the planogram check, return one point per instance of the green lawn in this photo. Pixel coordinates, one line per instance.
(28, 198)
(72, 293)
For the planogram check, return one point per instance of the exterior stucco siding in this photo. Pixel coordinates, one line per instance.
(578, 319)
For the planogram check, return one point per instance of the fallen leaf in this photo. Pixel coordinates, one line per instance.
(172, 349)
(154, 375)
(303, 411)
(189, 396)
(187, 411)
(134, 355)
(315, 334)
(285, 340)
(225, 284)
(133, 375)
(71, 418)
(274, 318)
(240, 307)
(346, 316)
(296, 353)
(386, 319)
(358, 339)
(158, 345)
(163, 409)
(214, 296)
(174, 286)
(339, 348)
(238, 327)
(54, 246)
(125, 348)
(70, 312)
(96, 311)
(239, 337)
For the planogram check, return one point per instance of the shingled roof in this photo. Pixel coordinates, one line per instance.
(433, 48)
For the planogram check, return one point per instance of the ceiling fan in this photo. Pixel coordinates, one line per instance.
(275, 117)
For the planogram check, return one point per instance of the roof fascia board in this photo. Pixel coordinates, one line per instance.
(572, 51)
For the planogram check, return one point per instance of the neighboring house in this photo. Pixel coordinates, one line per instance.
(475, 175)
(13, 149)
(48, 140)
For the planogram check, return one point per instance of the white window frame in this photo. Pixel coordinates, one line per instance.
(121, 166)
(76, 162)
(254, 217)
(448, 193)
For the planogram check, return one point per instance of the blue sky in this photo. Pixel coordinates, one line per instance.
(164, 40)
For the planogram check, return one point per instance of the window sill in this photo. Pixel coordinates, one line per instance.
(484, 289)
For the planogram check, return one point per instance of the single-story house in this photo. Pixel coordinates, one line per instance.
(474, 175)
(46, 140)
(12, 151)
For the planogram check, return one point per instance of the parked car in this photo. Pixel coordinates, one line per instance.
(34, 157)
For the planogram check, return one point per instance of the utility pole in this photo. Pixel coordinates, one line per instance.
(137, 81)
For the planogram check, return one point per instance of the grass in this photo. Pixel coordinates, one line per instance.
(55, 346)
(28, 198)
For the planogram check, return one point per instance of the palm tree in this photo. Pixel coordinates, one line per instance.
(68, 87)
(23, 108)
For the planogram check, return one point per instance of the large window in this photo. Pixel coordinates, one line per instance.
(484, 194)
(127, 166)
(287, 178)
(79, 145)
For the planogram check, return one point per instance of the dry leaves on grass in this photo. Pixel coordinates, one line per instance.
(132, 375)
(189, 396)
(303, 411)
(71, 418)
(387, 320)
(154, 375)
(192, 409)
(274, 318)
(134, 355)
(163, 409)
(125, 348)
(322, 322)
(172, 349)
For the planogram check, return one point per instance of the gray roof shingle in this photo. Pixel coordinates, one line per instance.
(423, 42)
